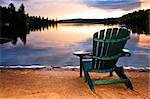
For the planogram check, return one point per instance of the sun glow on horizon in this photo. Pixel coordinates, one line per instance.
(95, 14)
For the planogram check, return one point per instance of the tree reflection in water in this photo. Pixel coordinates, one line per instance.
(12, 33)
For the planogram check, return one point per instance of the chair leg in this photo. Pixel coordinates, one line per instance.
(111, 74)
(89, 80)
(85, 76)
(120, 72)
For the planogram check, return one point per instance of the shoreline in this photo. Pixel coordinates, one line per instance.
(126, 68)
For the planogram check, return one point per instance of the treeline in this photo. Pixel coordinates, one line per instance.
(11, 17)
(18, 18)
(138, 21)
(15, 23)
(36, 23)
(91, 21)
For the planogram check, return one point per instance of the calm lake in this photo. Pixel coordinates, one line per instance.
(54, 46)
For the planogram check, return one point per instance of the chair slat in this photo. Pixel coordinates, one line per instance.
(110, 81)
(99, 45)
(94, 48)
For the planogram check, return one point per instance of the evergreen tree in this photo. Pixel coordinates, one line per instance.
(21, 9)
(11, 8)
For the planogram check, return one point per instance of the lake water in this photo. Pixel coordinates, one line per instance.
(54, 46)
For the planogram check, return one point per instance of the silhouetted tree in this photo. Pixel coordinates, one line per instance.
(11, 8)
(21, 17)
(21, 9)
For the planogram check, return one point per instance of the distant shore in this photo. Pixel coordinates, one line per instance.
(65, 83)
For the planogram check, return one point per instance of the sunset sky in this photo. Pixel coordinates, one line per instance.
(67, 9)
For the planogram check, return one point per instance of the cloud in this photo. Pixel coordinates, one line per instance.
(113, 4)
(3, 2)
(20, 0)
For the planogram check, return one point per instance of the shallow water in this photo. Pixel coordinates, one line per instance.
(55, 46)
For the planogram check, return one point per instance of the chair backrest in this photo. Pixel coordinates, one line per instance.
(107, 45)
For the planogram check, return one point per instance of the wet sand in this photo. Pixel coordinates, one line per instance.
(66, 84)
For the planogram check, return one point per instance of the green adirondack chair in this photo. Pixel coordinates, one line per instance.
(107, 48)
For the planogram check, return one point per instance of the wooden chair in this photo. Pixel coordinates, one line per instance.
(107, 48)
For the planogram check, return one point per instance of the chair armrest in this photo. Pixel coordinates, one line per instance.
(125, 52)
(83, 54)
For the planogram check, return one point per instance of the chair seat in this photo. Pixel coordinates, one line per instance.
(88, 67)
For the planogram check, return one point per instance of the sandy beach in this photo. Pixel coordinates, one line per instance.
(58, 83)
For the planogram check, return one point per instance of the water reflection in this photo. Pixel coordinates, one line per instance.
(143, 41)
(43, 27)
(54, 45)
(11, 34)
(139, 46)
